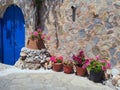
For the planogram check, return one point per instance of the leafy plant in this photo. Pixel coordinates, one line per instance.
(97, 64)
(68, 63)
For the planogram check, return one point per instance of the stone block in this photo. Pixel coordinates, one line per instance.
(88, 47)
(82, 33)
(110, 32)
(113, 61)
(97, 21)
(112, 51)
(99, 29)
(104, 54)
(117, 5)
(96, 50)
(90, 27)
(108, 25)
(118, 56)
(95, 40)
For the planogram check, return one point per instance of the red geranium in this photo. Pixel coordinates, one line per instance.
(79, 59)
(55, 59)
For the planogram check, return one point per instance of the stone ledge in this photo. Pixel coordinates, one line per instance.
(33, 59)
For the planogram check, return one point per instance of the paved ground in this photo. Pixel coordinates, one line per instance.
(48, 80)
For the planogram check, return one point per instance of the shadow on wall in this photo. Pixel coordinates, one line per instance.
(45, 10)
(53, 6)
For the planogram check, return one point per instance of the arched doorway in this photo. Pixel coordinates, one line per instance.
(13, 33)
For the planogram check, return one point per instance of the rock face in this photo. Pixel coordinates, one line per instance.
(96, 28)
(32, 59)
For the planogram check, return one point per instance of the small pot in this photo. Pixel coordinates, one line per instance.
(80, 71)
(57, 67)
(68, 69)
(97, 76)
(35, 43)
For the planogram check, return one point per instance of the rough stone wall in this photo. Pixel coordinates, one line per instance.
(28, 10)
(96, 29)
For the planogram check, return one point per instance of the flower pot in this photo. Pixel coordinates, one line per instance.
(80, 71)
(96, 76)
(68, 69)
(57, 67)
(35, 43)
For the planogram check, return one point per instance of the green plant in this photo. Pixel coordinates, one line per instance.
(68, 62)
(97, 64)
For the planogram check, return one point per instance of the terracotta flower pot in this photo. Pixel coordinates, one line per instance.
(35, 43)
(68, 69)
(80, 71)
(57, 67)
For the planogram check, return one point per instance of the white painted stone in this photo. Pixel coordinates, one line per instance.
(115, 71)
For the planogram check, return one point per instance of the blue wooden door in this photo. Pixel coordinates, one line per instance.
(13, 34)
(1, 40)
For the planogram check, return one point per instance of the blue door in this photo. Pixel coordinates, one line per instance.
(13, 34)
(1, 40)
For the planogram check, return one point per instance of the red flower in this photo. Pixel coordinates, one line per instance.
(97, 57)
(43, 36)
(79, 59)
(103, 61)
(108, 65)
(53, 59)
(103, 68)
(60, 58)
(35, 33)
(48, 38)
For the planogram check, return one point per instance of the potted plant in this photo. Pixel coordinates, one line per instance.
(57, 63)
(96, 68)
(68, 67)
(36, 39)
(79, 61)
